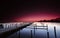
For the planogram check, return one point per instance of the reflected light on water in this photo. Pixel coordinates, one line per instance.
(37, 23)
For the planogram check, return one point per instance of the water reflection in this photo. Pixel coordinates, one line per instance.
(39, 30)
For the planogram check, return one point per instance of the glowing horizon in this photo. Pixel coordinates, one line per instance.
(35, 17)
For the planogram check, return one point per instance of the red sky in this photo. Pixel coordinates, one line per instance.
(36, 16)
(21, 10)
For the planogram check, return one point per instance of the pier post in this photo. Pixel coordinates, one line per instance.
(31, 34)
(47, 34)
(55, 32)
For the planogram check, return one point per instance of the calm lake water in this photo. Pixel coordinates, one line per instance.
(39, 30)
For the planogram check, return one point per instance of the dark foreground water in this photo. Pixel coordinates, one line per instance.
(39, 30)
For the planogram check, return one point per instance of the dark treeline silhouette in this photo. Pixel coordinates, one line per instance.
(52, 20)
